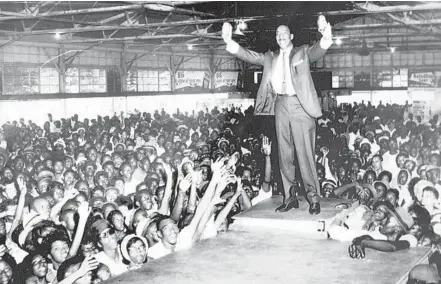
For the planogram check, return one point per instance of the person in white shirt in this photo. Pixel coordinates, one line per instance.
(171, 239)
(389, 158)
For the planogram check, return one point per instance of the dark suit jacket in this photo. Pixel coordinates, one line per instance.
(299, 60)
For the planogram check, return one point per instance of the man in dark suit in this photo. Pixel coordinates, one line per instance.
(287, 91)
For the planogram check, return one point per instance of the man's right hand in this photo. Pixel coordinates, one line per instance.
(227, 32)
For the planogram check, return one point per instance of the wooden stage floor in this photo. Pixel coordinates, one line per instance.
(275, 256)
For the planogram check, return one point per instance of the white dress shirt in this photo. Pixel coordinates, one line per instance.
(278, 79)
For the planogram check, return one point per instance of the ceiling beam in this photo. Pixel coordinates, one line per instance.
(402, 20)
(21, 16)
(381, 25)
(388, 9)
(144, 37)
(377, 35)
(100, 27)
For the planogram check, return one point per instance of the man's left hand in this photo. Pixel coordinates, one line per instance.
(356, 251)
(324, 28)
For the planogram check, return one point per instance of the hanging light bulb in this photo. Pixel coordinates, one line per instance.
(57, 35)
(240, 26)
(338, 41)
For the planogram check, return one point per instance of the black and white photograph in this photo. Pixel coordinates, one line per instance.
(220, 142)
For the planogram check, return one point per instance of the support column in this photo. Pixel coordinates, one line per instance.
(62, 65)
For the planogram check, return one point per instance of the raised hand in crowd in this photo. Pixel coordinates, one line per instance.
(266, 146)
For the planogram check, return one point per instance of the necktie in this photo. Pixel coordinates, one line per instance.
(284, 75)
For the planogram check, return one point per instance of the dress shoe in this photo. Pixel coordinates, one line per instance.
(292, 203)
(314, 208)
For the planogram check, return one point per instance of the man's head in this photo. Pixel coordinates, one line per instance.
(168, 231)
(284, 37)
(433, 174)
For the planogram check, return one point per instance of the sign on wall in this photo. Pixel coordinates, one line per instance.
(225, 81)
(424, 78)
(192, 81)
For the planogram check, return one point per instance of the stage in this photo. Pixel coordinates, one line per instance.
(262, 254)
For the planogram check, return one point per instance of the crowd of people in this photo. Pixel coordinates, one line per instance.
(84, 201)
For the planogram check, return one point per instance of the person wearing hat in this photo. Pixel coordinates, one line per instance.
(134, 250)
(393, 236)
(107, 241)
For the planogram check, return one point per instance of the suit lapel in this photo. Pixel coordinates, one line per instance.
(275, 58)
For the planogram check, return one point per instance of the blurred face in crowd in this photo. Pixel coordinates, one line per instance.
(68, 163)
(137, 252)
(118, 221)
(410, 166)
(376, 163)
(168, 231)
(341, 174)
(403, 177)
(433, 176)
(328, 189)
(434, 160)
(423, 175)
(58, 167)
(59, 251)
(108, 240)
(126, 171)
(6, 272)
(364, 195)
(146, 200)
(69, 178)
(88, 249)
(401, 159)
(109, 169)
(429, 199)
(381, 213)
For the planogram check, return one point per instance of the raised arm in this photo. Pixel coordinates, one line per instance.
(217, 169)
(20, 206)
(240, 52)
(226, 210)
(165, 204)
(318, 50)
(55, 211)
(266, 150)
(342, 189)
(193, 193)
(83, 211)
(184, 186)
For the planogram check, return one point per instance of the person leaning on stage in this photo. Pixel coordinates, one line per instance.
(287, 91)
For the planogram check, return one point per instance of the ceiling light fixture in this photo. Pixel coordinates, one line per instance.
(57, 35)
(392, 49)
(241, 25)
(338, 41)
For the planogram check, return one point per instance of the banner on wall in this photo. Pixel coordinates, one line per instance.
(423, 102)
(225, 81)
(192, 81)
(425, 78)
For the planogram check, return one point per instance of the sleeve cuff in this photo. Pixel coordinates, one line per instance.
(233, 47)
(325, 43)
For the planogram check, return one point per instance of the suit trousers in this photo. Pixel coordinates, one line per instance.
(295, 131)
